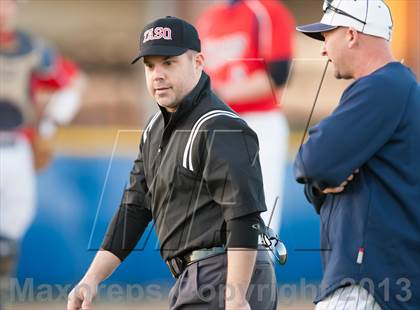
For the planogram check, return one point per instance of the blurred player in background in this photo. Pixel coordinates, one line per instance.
(27, 66)
(248, 46)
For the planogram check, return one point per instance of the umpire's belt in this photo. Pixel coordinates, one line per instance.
(178, 264)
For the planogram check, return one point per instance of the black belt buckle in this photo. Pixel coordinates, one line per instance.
(176, 266)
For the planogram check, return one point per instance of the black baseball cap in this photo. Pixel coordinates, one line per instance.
(169, 36)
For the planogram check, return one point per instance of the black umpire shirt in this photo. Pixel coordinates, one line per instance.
(197, 168)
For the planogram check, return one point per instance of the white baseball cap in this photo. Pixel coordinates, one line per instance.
(371, 17)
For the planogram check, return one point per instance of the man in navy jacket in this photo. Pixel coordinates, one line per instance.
(361, 166)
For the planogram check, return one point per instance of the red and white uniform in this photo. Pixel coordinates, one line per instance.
(27, 65)
(238, 39)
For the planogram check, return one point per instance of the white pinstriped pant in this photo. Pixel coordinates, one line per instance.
(17, 188)
(353, 297)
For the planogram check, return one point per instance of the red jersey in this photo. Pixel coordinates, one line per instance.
(239, 39)
(28, 64)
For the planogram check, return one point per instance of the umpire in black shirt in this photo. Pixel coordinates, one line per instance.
(198, 177)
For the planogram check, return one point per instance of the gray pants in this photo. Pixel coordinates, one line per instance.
(202, 285)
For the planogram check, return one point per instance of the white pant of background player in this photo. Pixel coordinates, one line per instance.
(17, 186)
(273, 132)
(352, 297)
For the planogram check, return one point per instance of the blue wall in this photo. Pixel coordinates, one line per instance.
(77, 198)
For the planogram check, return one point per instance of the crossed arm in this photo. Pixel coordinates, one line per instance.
(346, 140)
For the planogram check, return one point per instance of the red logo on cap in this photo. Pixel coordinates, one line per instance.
(157, 33)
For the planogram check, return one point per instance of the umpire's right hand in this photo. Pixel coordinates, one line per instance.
(82, 295)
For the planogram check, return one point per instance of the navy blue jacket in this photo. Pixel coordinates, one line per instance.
(370, 232)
